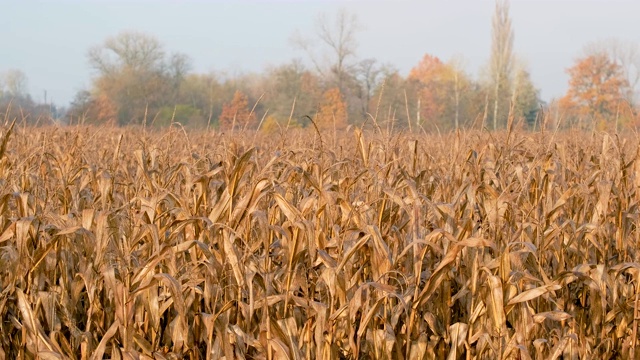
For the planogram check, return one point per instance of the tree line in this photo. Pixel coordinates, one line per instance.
(137, 81)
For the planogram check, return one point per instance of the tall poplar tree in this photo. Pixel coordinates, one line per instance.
(501, 62)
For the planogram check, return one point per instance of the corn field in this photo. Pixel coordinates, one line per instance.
(129, 244)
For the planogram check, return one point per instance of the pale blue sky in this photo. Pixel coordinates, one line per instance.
(48, 40)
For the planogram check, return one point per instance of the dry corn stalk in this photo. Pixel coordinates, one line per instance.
(244, 247)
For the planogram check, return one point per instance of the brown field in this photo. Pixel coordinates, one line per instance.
(125, 244)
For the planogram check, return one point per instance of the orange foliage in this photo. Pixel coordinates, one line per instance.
(97, 110)
(596, 89)
(236, 114)
(427, 69)
(333, 110)
(105, 110)
(431, 74)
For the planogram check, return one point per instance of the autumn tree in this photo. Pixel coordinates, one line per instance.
(204, 93)
(370, 75)
(236, 114)
(135, 73)
(443, 92)
(289, 83)
(626, 54)
(500, 64)
(596, 90)
(104, 110)
(198, 101)
(332, 51)
(333, 111)
(270, 125)
(430, 75)
(388, 103)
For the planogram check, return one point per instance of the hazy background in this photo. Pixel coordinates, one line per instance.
(48, 40)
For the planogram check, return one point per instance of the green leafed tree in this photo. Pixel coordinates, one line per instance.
(205, 93)
(288, 83)
(525, 98)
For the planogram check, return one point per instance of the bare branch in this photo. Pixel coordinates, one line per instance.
(338, 36)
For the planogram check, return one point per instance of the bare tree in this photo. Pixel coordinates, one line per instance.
(370, 75)
(337, 35)
(501, 55)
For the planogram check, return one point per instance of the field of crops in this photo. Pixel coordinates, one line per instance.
(126, 244)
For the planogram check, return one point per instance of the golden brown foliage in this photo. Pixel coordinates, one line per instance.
(596, 90)
(236, 114)
(103, 111)
(125, 244)
(433, 77)
(333, 111)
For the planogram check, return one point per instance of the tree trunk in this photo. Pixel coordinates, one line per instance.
(495, 105)
(457, 95)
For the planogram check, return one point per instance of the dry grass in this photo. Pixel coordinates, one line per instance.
(129, 245)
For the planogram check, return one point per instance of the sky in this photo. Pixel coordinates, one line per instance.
(49, 40)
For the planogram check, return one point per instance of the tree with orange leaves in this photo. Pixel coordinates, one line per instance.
(596, 90)
(236, 114)
(87, 108)
(430, 74)
(104, 110)
(333, 110)
(442, 89)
